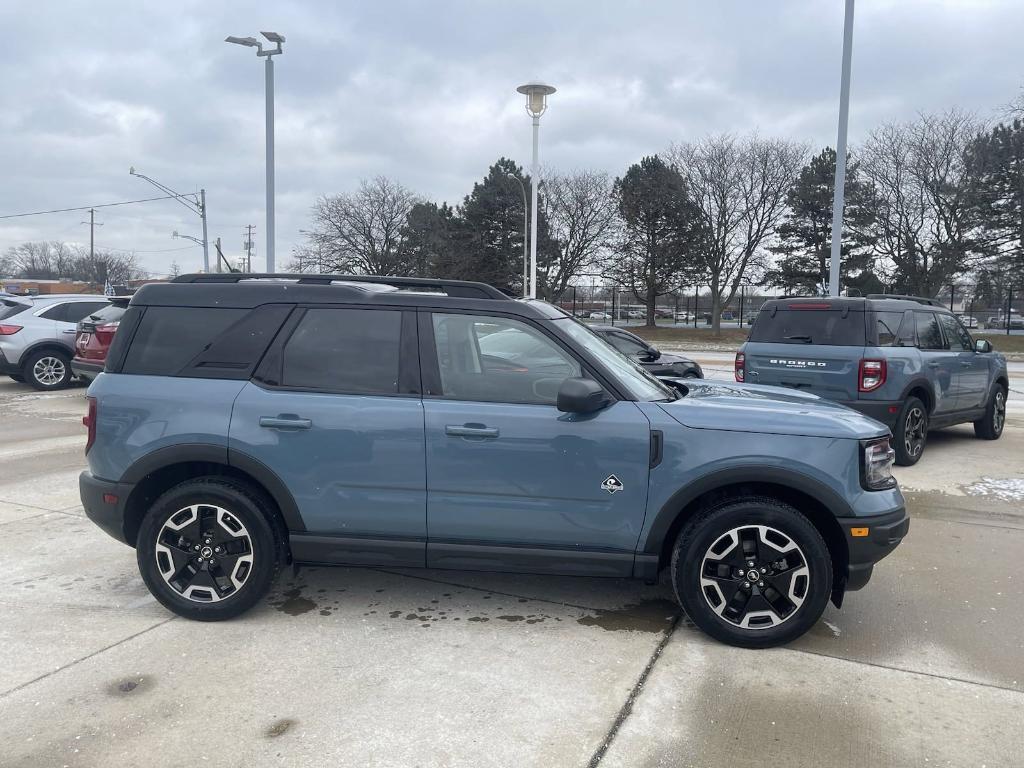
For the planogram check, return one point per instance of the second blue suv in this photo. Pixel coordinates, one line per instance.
(245, 422)
(905, 361)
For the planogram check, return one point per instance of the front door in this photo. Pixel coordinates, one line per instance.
(973, 368)
(513, 483)
(338, 417)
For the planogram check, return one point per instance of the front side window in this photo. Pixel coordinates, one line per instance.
(957, 337)
(77, 310)
(495, 359)
(345, 350)
(929, 336)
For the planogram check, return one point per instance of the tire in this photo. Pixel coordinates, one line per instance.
(783, 604)
(691, 375)
(17, 377)
(990, 426)
(180, 576)
(47, 370)
(911, 432)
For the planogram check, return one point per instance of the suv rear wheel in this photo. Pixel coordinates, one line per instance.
(752, 572)
(47, 370)
(207, 549)
(990, 426)
(911, 432)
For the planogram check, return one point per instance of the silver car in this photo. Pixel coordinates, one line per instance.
(37, 336)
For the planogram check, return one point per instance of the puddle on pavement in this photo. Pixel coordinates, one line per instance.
(279, 727)
(647, 616)
(129, 685)
(294, 604)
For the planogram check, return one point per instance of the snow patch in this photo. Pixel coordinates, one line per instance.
(1006, 489)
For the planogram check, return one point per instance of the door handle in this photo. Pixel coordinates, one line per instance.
(965, 364)
(933, 365)
(71, 331)
(470, 430)
(285, 422)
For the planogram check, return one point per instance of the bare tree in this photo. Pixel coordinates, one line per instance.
(740, 185)
(54, 260)
(926, 227)
(362, 231)
(581, 215)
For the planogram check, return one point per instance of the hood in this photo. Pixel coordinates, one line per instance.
(768, 410)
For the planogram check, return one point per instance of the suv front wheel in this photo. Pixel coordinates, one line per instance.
(752, 572)
(911, 432)
(207, 549)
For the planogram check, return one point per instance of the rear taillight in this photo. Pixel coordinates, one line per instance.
(740, 367)
(872, 375)
(89, 420)
(9, 330)
(108, 327)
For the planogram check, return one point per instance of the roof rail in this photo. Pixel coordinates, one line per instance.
(465, 289)
(902, 297)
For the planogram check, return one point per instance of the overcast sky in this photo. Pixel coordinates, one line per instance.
(425, 92)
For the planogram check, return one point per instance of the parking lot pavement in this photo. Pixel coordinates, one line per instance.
(379, 667)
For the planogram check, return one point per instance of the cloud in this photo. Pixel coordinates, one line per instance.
(425, 92)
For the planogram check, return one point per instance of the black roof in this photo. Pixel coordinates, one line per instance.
(880, 301)
(245, 290)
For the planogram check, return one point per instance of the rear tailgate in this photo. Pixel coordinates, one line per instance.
(825, 370)
(814, 347)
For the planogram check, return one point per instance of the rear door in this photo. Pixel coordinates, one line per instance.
(806, 346)
(335, 413)
(940, 364)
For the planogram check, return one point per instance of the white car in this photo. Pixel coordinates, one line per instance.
(599, 316)
(968, 321)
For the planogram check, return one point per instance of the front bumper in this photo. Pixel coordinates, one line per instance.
(868, 540)
(104, 503)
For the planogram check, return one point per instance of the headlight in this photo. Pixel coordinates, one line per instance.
(876, 464)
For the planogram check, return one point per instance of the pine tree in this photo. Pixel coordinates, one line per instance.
(998, 160)
(427, 239)
(805, 235)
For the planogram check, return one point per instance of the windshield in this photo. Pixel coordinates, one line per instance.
(638, 382)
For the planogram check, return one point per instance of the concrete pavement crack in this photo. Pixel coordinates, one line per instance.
(627, 708)
(70, 664)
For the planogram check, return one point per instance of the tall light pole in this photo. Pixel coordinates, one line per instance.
(269, 54)
(526, 276)
(536, 105)
(840, 181)
(196, 205)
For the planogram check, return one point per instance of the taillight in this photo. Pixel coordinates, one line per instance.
(740, 366)
(9, 330)
(108, 327)
(89, 420)
(872, 375)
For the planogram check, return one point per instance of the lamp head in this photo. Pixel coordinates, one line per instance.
(250, 42)
(273, 37)
(536, 97)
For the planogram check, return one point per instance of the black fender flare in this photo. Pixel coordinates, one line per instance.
(733, 476)
(920, 383)
(220, 454)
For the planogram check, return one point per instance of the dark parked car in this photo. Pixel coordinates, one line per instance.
(650, 357)
(244, 422)
(95, 333)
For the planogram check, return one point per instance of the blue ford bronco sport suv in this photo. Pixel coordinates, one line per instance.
(905, 361)
(249, 421)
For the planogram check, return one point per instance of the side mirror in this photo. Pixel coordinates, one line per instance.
(653, 353)
(982, 345)
(581, 396)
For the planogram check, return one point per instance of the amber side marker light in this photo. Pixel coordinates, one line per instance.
(858, 532)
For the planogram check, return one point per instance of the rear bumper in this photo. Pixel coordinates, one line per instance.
(885, 411)
(877, 537)
(6, 366)
(104, 503)
(86, 368)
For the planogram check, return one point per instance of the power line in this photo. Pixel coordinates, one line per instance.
(87, 207)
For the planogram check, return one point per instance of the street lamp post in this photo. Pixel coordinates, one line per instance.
(536, 104)
(840, 180)
(526, 212)
(196, 206)
(269, 54)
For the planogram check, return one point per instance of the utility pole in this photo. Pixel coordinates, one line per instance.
(92, 231)
(248, 247)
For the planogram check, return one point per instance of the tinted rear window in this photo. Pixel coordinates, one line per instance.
(169, 337)
(11, 308)
(109, 314)
(809, 326)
